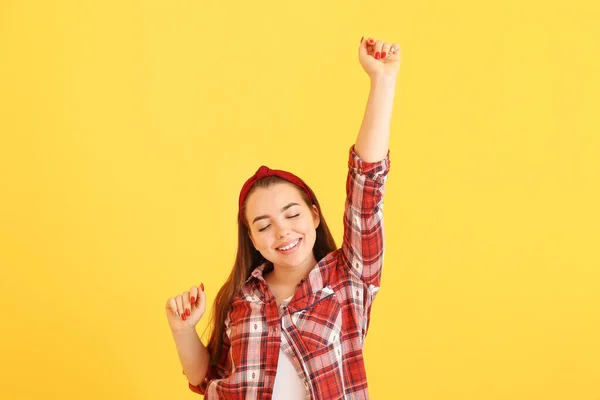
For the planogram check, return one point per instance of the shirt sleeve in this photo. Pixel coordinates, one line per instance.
(217, 371)
(363, 244)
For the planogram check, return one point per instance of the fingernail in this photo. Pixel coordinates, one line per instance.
(361, 39)
(202, 286)
(187, 312)
(377, 55)
(193, 299)
(371, 41)
(383, 54)
(183, 316)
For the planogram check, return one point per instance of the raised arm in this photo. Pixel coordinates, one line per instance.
(368, 166)
(381, 61)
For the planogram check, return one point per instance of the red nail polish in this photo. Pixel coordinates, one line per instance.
(193, 299)
(202, 286)
(183, 317)
(377, 55)
(371, 41)
(187, 312)
(383, 54)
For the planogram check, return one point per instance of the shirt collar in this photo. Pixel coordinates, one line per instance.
(257, 273)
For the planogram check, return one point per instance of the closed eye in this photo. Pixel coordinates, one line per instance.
(290, 217)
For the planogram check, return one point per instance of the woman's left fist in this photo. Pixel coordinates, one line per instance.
(379, 58)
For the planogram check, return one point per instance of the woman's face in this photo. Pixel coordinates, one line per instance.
(278, 218)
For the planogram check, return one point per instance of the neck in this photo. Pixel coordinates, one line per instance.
(285, 275)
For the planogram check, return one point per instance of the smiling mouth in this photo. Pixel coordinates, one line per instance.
(290, 246)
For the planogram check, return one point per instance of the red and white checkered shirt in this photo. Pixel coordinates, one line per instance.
(323, 326)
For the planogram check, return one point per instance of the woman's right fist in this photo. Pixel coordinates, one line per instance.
(186, 309)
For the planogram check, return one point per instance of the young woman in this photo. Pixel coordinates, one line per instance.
(291, 320)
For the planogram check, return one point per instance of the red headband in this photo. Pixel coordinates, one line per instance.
(264, 172)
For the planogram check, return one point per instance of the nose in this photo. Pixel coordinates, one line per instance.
(283, 230)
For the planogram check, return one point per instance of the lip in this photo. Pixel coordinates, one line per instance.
(287, 244)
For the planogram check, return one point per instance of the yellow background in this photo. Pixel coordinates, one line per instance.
(127, 130)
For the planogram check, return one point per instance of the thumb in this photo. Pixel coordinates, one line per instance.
(362, 48)
(201, 300)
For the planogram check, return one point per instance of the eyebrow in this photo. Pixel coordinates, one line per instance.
(282, 210)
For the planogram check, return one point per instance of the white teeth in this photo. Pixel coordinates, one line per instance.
(290, 246)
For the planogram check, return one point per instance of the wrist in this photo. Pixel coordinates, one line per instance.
(184, 331)
(383, 81)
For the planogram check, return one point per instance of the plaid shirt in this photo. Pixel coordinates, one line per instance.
(323, 326)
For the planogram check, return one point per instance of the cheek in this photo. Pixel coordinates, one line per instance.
(309, 229)
(266, 241)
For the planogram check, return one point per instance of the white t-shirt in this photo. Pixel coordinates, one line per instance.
(288, 385)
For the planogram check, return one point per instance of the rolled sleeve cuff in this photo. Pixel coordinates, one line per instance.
(369, 169)
(200, 389)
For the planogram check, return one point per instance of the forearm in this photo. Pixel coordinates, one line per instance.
(373, 138)
(194, 356)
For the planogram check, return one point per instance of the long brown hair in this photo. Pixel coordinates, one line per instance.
(248, 258)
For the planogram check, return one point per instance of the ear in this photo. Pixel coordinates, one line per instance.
(316, 218)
